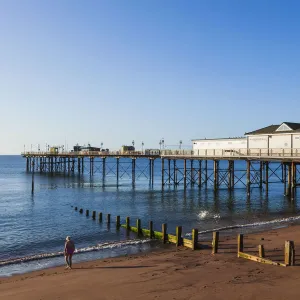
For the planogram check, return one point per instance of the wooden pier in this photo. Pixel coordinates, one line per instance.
(181, 167)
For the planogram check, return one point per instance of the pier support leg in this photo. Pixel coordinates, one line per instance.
(293, 187)
(152, 173)
(82, 165)
(206, 177)
(229, 175)
(78, 164)
(184, 173)
(133, 171)
(261, 168)
(118, 166)
(215, 175)
(162, 172)
(200, 174)
(103, 169)
(169, 171)
(284, 178)
(248, 177)
(192, 172)
(27, 164)
(174, 174)
(267, 177)
(288, 190)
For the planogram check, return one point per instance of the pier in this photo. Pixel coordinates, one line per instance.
(188, 168)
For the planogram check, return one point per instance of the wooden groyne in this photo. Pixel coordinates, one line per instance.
(193, 243)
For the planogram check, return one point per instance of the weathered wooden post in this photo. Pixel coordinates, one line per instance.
(76, 208)
(87, 212)
(194, 239)
(100, 216)
(261, 251)
(108, 218)
(289, 253)
(118, 222)
(164, 233)
(138, 226)
(240, 243)
(178, 236)
(81, 210)
(215, 242)
(127, 223)
(94, 215)
(151, 229)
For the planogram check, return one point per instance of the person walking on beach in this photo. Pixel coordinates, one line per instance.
(69, 250)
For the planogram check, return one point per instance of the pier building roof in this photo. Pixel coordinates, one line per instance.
(285, 127)
(212, 139)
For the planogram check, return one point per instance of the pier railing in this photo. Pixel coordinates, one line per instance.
(261, 152)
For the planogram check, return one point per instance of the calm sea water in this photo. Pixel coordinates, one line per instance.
(37, 224)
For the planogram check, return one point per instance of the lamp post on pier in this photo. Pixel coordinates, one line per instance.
(180, 143)
(142, 147)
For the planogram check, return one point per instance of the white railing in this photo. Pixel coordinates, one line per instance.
(261, 152)
(88, 153)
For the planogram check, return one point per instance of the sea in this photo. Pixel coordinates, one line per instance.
(33, 226)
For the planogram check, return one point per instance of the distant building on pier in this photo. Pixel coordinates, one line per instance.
(87, 148)
(125, 149)
(283, 136)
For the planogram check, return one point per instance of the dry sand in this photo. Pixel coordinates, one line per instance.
(170, 274)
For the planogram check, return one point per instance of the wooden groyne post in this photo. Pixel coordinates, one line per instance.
(139, 228)
(289, 253)
(100, 216)
(94, 215)
(164, 232)
(178, 236)
(261, 251)
(151, 234)
(240, 242)
(194, 239)
(215, 242)
(127, 223)
(118, 222)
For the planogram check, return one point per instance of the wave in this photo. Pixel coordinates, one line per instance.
(256, 224)
(108, 245)
(205, 214)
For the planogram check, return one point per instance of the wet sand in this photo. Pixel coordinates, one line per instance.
(171, 274)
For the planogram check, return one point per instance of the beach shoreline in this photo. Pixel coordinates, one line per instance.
(171, 273)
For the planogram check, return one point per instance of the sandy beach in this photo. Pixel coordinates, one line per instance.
(170, 274)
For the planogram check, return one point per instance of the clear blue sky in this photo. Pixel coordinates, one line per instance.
(116, 71)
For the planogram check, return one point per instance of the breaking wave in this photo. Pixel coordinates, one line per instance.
(205, 214)
(256, 224)
(108, 245)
